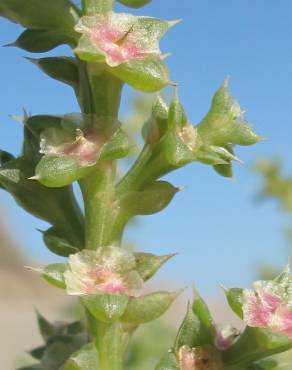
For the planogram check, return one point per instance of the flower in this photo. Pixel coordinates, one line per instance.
(269, 305)
(85, 147)
(225, 336)
(189, 135)
(121, 37)
(109, 270)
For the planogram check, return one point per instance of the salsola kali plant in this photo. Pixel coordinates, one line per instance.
(109, 50)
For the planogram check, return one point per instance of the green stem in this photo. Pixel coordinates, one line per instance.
(133, 178)
(111, 344)
(105, 91)
(98, 193)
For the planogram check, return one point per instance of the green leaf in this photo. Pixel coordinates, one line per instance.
(33, 127)
(40, 41)
(106, 307)
(149, 75)
(45, 327)
(235, 300)
(177, 116)
(37, 353)
(60, 68)
(148, 264)
(201, 310)
(56, 171)
(154, 198)
(189, 331)
(255, 344)
(117, 146)
(56, 206)
(157, 125)
(266, 365)
(60, 348)
(84, 359)
(148, 308)
(53, 14)
(134, 3)
(168, 362)
(224, 170)
(58, 244)
(54, 274)
(5, 157)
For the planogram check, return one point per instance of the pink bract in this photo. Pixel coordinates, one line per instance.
(265, 309)
(117, 46)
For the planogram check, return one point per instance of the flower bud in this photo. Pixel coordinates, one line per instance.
(226, 335)
(222, 128)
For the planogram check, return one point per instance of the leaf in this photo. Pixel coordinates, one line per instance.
(189, 331)
(63, 69)
(255, 344)
(168, 362)
(134, 3)
(148, 308)
(40, 41)
(56, 171)
(53, 14)
(60, 348)
(38, 352)
(84, 359)
(45, 327)
(106, 307)
(117, 146)
(201, 310)
(148, 264)
(148, 75)
(235, 300)
(54, 274)
(154, 198)
(57, 243)
(56, 206)
(33, 127)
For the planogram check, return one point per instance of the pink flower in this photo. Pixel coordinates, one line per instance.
(269, 305)
(85, 147)
(109, 270)
(120, 37)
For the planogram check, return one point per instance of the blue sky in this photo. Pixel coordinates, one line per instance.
(215, 224)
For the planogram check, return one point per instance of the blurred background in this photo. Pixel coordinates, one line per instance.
(223, 230)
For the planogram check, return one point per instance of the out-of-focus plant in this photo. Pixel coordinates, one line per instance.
(110, 50)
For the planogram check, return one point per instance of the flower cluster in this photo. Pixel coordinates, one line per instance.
(109, 270)
(269, 305)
